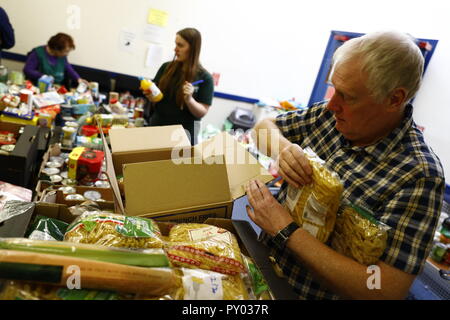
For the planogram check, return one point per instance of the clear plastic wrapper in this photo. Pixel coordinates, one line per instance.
(258, 286)
(21, 290)
(141, 258)
(358, 235)
(91, 274)
(113, 230)
(206, 247)
(45, 228)
(314, 207)
(198, 284)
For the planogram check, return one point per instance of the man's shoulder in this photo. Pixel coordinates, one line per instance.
(421, 154)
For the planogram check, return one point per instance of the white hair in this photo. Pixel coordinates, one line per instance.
(390, 59)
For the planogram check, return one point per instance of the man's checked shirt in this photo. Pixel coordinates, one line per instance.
(399, 178)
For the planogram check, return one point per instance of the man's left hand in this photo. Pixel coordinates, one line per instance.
(267, 212)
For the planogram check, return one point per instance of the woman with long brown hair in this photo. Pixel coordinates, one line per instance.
(183, 103)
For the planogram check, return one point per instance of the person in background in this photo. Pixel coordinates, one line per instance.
(366, 134)
(51, 60)
(182, 102)
(7, 39)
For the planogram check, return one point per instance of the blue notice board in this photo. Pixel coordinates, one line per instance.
(337, 38)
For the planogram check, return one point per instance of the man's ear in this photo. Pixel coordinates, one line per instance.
(397, 99)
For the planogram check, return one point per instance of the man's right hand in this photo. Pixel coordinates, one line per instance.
(293, 166)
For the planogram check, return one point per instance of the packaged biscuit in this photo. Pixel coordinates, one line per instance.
(206, 247)
(358, 235)
(314, 207)
(114, 230)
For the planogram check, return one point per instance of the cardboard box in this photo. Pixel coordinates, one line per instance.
(203, 182)
(243, 231)
(50, 195)
(18, 167)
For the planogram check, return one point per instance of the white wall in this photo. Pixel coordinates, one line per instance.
(261, 48)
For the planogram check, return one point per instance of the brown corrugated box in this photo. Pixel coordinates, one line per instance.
(202, 183)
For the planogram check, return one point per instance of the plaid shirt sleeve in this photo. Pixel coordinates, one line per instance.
(296, 126)
(413, 215)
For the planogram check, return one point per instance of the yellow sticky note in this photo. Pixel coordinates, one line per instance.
(157, 17)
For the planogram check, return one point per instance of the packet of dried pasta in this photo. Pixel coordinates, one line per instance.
(314, 207)
(257, 284)
(359, 235)
(114, 230)
(22, 290)
(204, 246)
(198, 284)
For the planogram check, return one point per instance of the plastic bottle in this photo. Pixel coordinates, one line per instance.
(150, 88)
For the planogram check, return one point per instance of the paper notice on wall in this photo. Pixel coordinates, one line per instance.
(153, 33)
(154, 55)
(127, 40)
(157, 17)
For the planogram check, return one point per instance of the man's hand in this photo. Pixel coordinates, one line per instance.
(267, 212)
(293, 166)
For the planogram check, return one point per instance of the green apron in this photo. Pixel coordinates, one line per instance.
(57, 70)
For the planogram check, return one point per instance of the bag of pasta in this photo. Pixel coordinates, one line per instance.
(314, 207)
(255, 281)
(359, 235)
(20, 290)
(114, 230)
(204, 246)
(198, 284)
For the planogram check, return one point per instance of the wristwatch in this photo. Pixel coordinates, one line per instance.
(283, 235)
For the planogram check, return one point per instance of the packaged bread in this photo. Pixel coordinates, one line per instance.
(314, 207)
(206, 247)
(359, 235)
(114, 230)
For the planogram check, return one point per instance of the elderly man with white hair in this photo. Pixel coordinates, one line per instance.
(367, 135)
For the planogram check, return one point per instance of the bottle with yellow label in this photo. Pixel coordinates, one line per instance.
(151, 90)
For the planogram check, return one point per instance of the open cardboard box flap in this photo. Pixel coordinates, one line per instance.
(155, 186)
(147, 138)
(165, 185)
(241, 165)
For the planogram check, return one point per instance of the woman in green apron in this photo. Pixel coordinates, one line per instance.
(51, 60)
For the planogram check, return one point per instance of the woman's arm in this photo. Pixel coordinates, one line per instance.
(31, 68)
(198, 109)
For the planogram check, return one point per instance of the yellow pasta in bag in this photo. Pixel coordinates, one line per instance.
(313, 207)
(358, 235)
(206, 247)
(197, 284)
(114, 230)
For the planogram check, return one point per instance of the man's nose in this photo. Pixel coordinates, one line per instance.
(334, 104)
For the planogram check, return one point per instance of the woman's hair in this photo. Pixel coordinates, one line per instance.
(178, 72)
(60, 41)
(390, 59)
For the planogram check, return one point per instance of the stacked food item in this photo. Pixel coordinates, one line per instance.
(102, 255)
